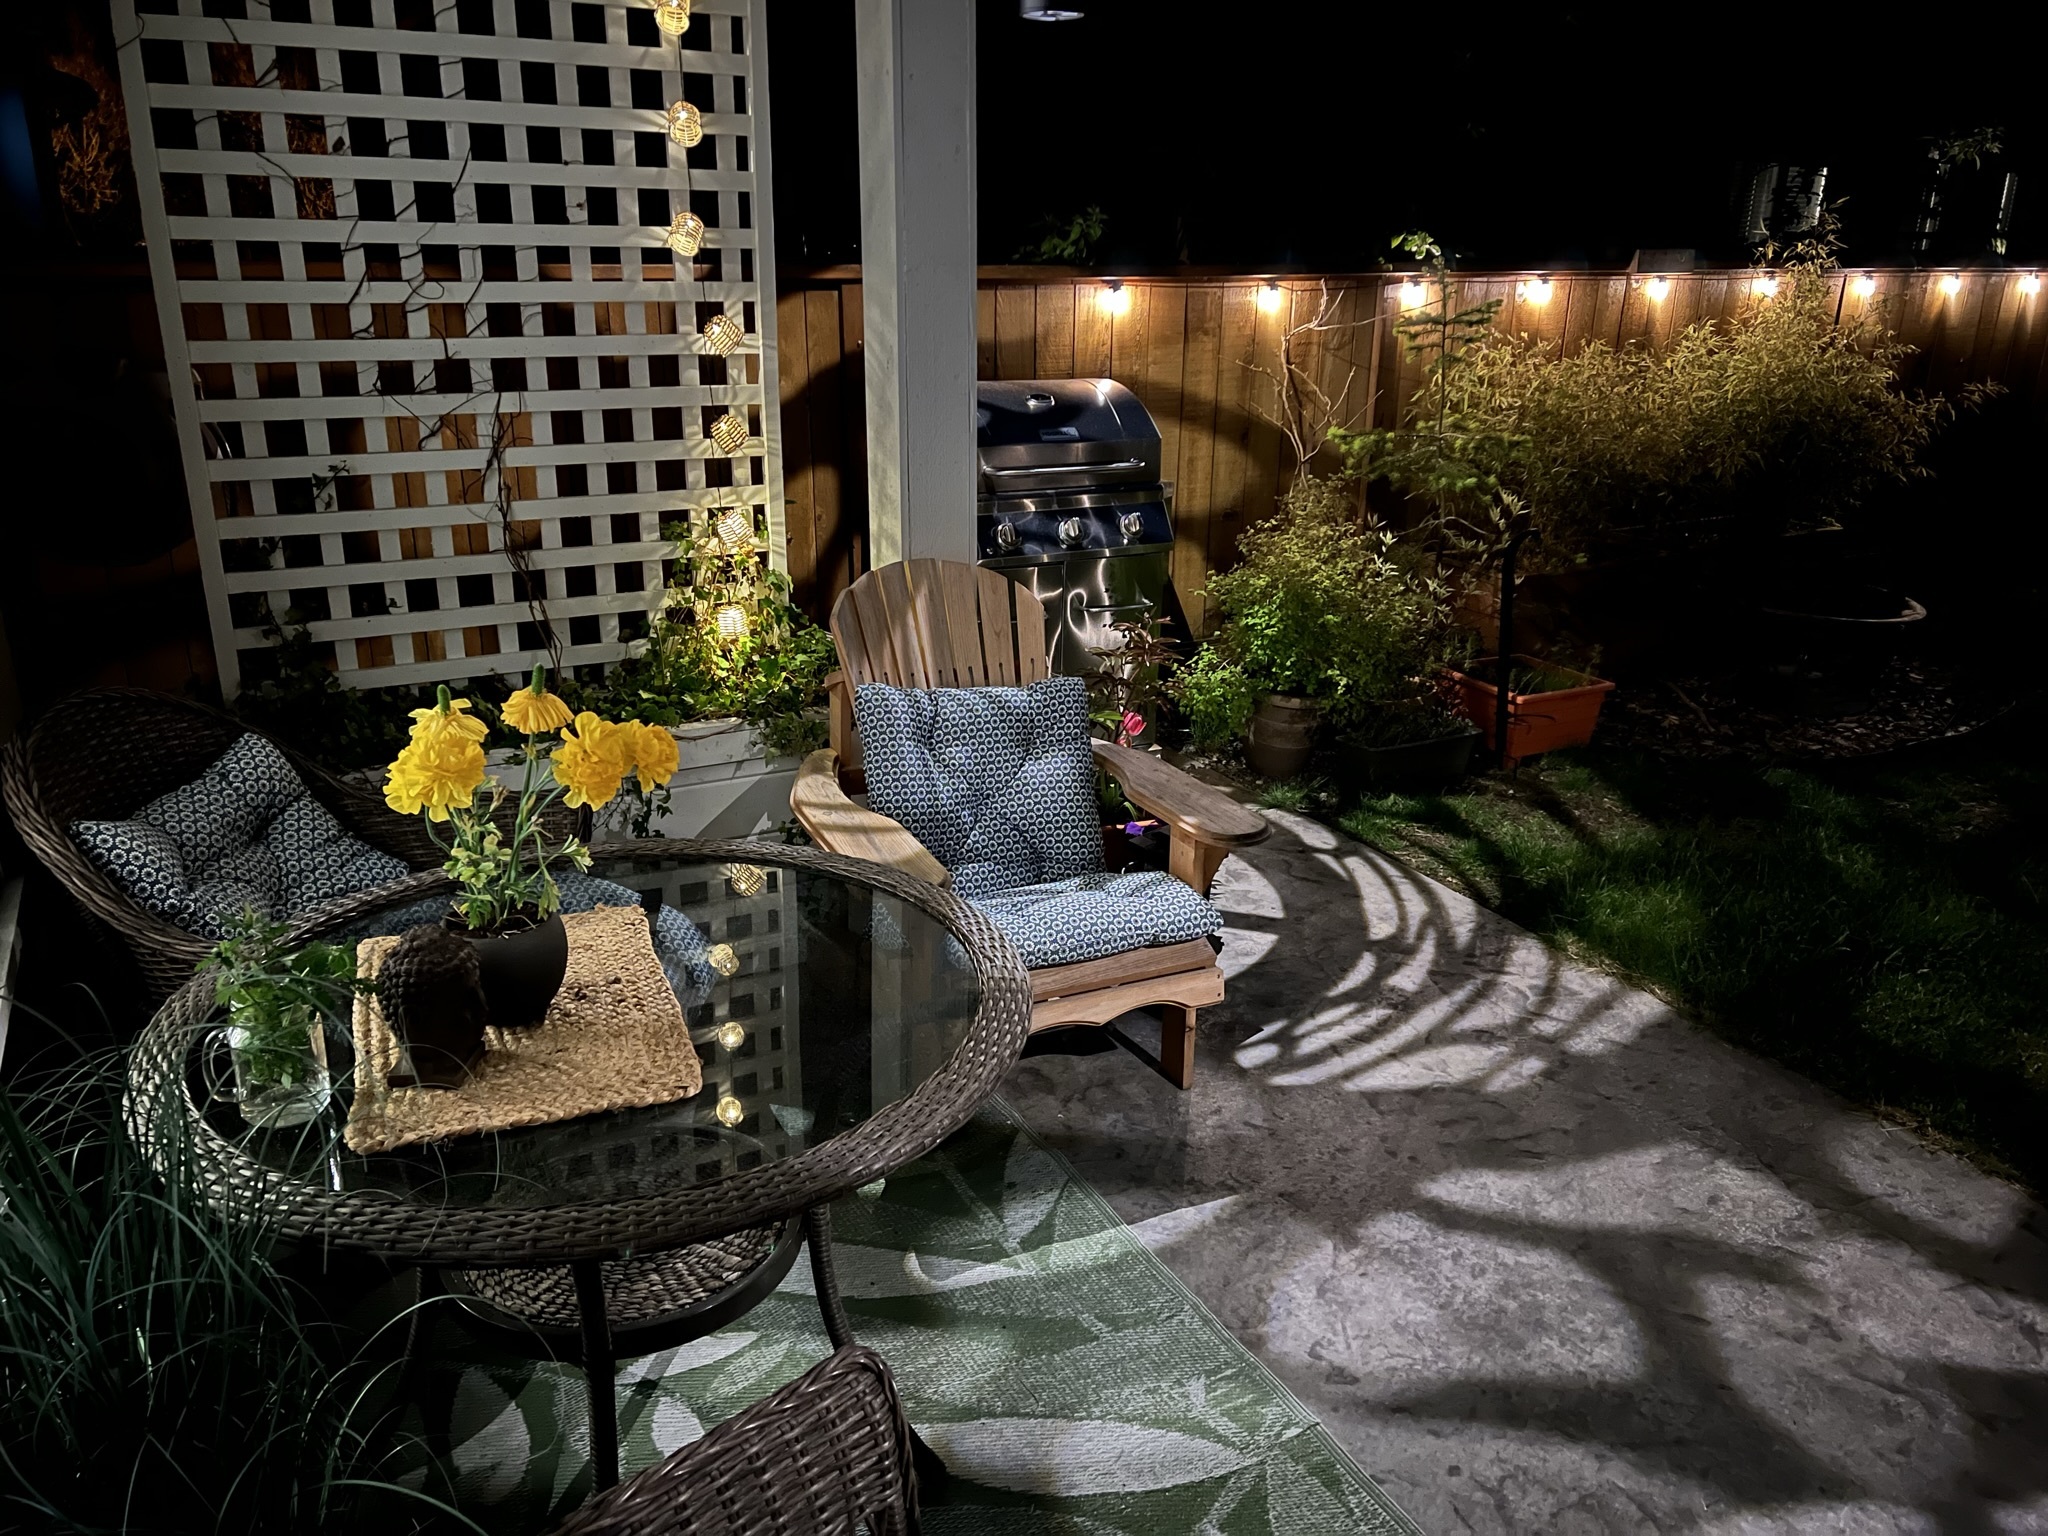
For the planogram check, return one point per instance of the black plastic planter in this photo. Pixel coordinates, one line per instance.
(1431, 764)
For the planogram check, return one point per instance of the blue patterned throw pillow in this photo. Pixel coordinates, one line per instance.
(245, 833)
(999, 783)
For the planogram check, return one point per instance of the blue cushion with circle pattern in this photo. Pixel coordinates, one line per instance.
(244, 834)
(999, 784)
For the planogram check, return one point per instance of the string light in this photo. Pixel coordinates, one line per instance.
(729, 432)
(736, 529)
(747, 879)
(732, 625)
(732, 1036)
(731, 1111)
(1765, 287)
(1656, 289)
(686, 234)
(1116, 299)
(1414, 293)
(673, 16)
(1271, 298)
(1534, 290)
(686, 125)
(1951, 285)
(2030, 284)
(724, 959)
(1864, 286)
(722, 334)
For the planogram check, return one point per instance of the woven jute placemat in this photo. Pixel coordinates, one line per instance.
(614, 1038)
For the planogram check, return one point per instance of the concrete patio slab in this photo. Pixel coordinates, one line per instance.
(1546, 1257)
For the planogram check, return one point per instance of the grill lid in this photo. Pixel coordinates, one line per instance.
(1045, 434)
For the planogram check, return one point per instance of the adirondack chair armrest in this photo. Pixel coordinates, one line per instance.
(838, 825)
(1206, 823)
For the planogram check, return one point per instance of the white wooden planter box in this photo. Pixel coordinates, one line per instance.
(723, 786)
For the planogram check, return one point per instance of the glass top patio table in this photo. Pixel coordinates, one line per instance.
(866, 1014)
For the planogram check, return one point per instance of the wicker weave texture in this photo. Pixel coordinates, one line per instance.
(826, 1452)
(636, 1289)
(474, 1238)
(108, 752)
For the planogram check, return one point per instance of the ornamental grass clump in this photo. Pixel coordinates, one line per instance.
(505, 871)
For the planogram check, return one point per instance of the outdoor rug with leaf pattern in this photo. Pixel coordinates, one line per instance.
(1068, 1380)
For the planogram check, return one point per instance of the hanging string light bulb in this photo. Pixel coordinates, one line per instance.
(722, 334)
(673, 16)
(686, 234)
(747, 879)
(724, 959)
(686, 125)
(732, 1036)
(729, 432)
(736, 531)
(730, 1110)
(731, 621)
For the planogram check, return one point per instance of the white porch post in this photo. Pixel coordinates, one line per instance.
(916, 62)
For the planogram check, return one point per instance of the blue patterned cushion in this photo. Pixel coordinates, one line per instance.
(1063, 922)
(998, 783)
(243, 834)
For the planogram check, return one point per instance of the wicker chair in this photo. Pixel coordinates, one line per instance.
(108, 752)
(827, 1454)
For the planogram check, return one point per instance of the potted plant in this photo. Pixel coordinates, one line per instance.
(279, 998)
(1125, 691)
(1548, 705)
(508, 902)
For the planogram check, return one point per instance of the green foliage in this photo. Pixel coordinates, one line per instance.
(1318, 608)
(302, 703)
(276, 994)
(772, 676)
(157, 1373)
(1067, 243)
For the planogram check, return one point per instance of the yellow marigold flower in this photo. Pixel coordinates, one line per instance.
(448, 718)
(654, 754)
(435, 774)
(535, 713)
(593, 757)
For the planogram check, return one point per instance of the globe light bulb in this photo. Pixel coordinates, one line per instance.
(747, 879)
(685, 123)
(673, 16)
(1951, 285)
(732, 1035)
(2030, 284)
(736, 529)
(724, 959)
(1116, 299)
(1765, 287)
(1864, 286)
(686, 234)
(722, 334)
(731, 1111)
(732, 625)
(1535, 290)
(1657, 289)
(1272, 299)
(729, 432)
(1414, 293)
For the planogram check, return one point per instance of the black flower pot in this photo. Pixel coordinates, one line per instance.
(1414, 765)
(522, 970)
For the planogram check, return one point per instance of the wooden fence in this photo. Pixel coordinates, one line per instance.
(1190, 347)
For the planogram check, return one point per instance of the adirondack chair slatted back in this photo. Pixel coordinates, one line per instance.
(935, 624)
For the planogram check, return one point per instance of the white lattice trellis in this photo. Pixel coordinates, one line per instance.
(409, 255)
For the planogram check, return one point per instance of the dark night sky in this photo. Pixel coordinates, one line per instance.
(1262, 135)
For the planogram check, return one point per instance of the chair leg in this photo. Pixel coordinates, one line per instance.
(1177, 1044)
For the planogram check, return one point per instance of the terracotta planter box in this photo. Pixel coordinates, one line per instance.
(1537, 722)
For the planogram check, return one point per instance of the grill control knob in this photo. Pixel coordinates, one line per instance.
(1071, 532)
(1006, 536)
(1132, 524)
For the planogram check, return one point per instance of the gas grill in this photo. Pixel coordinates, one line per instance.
(1072, 507)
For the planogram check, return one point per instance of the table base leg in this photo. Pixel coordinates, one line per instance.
(932, 1476)
(599, 1374)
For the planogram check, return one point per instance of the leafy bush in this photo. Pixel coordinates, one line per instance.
(1318, 608)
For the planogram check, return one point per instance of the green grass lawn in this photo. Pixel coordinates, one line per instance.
(1883, 929)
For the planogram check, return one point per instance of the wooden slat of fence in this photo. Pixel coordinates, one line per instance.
(985, 335)
(1016, 334)
(1055, 327)
(1195, 494)
(1091, 332)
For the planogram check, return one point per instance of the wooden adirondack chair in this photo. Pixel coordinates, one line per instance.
(943, 624)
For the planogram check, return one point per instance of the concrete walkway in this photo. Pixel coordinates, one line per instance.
(1545, 1257)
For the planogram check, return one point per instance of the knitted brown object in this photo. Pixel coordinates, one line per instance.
(431, 991)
